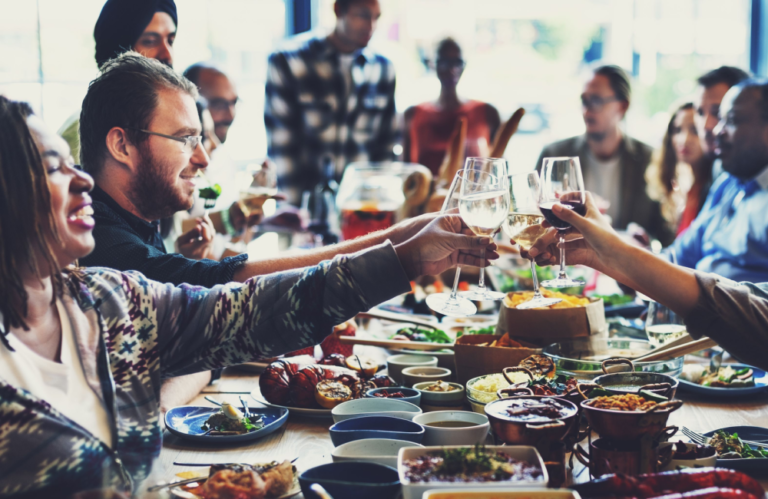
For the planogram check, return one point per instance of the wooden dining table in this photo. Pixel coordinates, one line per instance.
(308, 439)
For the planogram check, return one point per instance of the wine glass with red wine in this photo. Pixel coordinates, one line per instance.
(563, 184)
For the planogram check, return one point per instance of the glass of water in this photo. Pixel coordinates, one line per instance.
(662, 325)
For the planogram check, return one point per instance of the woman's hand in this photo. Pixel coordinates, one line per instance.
(444, 243)
(590, 242)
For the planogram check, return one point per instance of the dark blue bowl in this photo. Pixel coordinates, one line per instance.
(411, 395)
(375, 427)
(352, 480)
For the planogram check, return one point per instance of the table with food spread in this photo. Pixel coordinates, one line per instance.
(494, 412)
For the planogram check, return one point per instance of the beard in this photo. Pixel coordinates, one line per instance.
(154, 191)
(596, 136)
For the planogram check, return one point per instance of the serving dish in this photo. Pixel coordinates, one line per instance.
(372, 450)
(761, 386)
(480, 493)
(194, 490)
(415, 490)
(583, 358)
(530, 427)
(396, 364)
(633, 381)
(352, 480)
(629, 425)
(186, 422)
(703, 462)
(445, 358)
(411, 395)
(455, 397)
(413, 375)
(467, 435)
(375, 407)
(301, 411)
(752, 465)
(375, 427)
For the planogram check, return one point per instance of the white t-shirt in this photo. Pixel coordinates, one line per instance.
(605, 181)
(345, 63)
(63, 385)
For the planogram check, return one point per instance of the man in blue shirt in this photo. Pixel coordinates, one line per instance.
(730, 235)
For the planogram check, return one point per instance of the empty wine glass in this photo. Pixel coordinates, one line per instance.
(523, 224)
(451, 304)
(563, 184)
(483, 205)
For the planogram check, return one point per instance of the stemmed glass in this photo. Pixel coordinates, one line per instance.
(563, 184)
(483, 205)
(523, 224)
(497, 169)
(451, 304)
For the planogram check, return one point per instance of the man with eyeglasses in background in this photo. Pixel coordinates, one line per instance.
(613, 163)
(330, 98)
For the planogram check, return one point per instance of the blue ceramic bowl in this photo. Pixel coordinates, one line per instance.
(411, 395)
(375, 427)
(352, 480)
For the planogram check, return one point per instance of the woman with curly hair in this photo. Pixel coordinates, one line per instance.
(679, 175)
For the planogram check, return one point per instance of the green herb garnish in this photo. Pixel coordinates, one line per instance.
(212, 192)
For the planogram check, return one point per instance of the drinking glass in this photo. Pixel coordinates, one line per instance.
(497, 168)
(523, 224)
(662, 325)
(563, 184)
(262, 187)
(483, 205)
(451, 304)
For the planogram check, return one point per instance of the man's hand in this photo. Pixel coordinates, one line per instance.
(444, 243)
(198, 242)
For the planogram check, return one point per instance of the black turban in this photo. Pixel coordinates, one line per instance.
(122, 22)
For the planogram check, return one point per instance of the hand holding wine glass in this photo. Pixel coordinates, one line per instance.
(562, 185)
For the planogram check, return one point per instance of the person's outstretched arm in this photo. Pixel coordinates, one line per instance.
(735, 315)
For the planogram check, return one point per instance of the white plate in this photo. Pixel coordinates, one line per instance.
(313, 413)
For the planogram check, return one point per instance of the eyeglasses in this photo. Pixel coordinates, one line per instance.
(451, 63)
(190, 141)
(595, 102)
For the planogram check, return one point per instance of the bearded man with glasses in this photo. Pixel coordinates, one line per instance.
(613, 163)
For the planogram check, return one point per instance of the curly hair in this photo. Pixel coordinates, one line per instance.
(27, 226)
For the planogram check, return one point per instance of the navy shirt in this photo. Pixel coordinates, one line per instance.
(126, 242)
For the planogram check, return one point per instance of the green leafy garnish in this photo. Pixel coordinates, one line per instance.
(425, 335)
(212, 192)
(485, 330)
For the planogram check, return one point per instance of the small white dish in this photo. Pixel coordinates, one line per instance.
(467, 435)
(396, 364)
(372, 450)
(704, 462)
(414, 375)
(450, 398)
(375, 407)
(518, 452)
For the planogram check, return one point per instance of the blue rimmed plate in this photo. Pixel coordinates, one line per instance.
(186, 421)
(752, 465)
(761, 385)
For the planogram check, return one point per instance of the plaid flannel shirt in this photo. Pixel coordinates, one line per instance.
(310, 116)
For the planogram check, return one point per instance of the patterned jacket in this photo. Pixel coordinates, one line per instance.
(310, 117)
(131, 331)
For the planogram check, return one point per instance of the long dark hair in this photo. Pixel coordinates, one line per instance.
(27, 226)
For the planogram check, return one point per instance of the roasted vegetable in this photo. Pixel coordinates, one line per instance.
(275, 380)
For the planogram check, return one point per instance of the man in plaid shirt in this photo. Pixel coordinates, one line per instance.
(330, 99)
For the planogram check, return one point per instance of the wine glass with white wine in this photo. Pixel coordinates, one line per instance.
(523, 224)
(662, 325)
(451, 304)
(483, 205)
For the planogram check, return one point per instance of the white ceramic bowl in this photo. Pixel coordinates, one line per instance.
(518, 452)
(372, 450)
(375, 407)
(413, 375)
(396, 364)
(704, 462)
(445, 358)
(502, 494)
(469, 435)
(451, 398)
